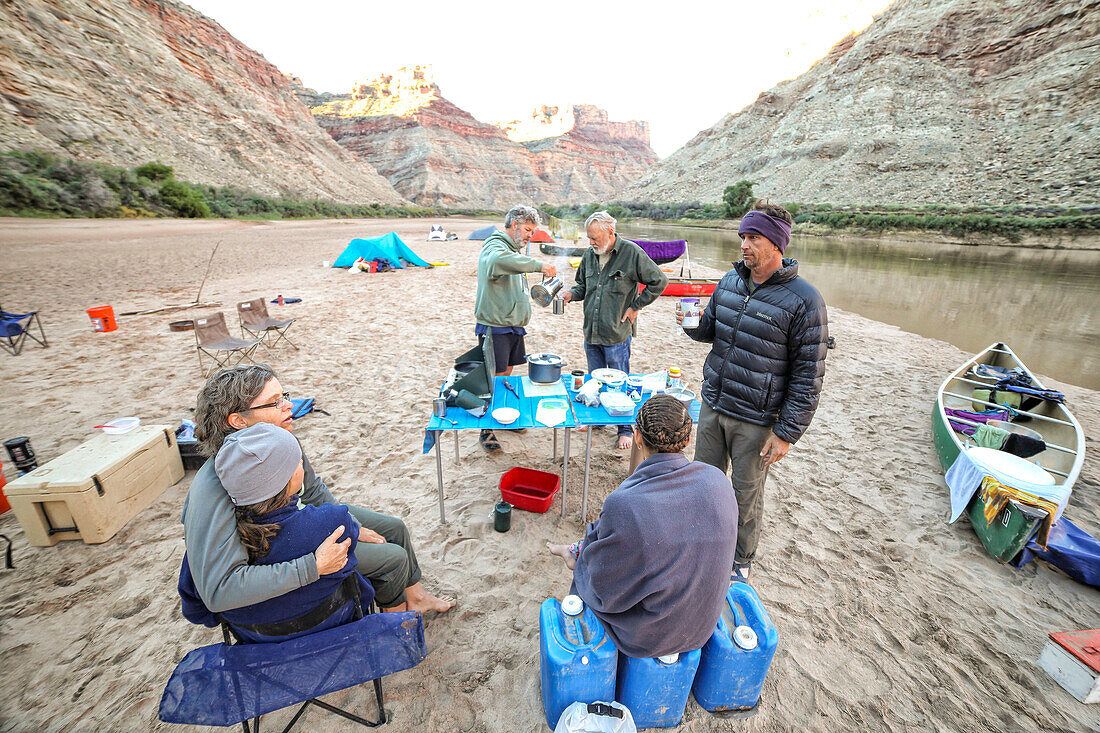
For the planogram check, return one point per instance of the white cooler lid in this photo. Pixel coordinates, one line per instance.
(1001, 464)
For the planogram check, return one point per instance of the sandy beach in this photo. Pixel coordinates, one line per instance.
(889, 619)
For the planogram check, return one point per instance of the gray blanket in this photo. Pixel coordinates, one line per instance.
(655, 566)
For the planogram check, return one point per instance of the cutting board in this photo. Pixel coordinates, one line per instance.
(534, 389)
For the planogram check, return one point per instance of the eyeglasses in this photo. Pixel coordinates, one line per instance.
(283, 400)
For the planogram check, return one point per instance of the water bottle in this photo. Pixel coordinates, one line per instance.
(656, 690)
(577, 659)
(736, 658)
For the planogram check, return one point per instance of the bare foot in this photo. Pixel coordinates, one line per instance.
(580, 429)
(421, 600)
(563, 552)
(625, 441)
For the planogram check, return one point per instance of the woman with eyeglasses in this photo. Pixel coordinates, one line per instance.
(235, 398)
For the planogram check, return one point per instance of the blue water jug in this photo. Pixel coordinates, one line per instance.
(656, 690)
(576, 657)
(736, 658)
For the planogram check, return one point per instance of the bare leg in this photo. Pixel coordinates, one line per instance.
(396, 609)
(625, 441)
(563, 552)
(421, 600)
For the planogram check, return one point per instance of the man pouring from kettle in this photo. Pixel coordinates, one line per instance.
(502, 307)
(607, 281)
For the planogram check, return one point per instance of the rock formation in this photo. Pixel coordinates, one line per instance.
(436, 154)
(126, 82)
(948, 101)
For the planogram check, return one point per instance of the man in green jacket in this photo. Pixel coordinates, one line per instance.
(503, 305)
(607, 282)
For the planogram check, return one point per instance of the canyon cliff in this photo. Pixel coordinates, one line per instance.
(436, 154)
(126, 82)
(946, 101)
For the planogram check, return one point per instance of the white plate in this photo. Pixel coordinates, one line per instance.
(121, 425)
(506, 415)
(609, 376)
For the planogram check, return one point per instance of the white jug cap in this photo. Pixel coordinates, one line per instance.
(572, 605)
(744, 637)
(668, 659)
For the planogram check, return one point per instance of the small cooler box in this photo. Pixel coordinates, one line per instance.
(92, 491)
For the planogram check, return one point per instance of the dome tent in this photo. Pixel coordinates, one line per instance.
(388, 247)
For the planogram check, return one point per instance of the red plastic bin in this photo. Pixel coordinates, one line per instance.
(528, 489)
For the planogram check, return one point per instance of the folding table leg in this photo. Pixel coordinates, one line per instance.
(456, 447)
(439, 474)
(565, 470)
(554, 455)
(587, 456)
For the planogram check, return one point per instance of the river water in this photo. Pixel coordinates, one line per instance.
(1045, 304)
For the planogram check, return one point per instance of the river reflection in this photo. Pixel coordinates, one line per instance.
(1045, 304)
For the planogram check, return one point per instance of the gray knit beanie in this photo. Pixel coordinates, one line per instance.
(256, 463)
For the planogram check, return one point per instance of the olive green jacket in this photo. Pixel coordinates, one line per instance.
(609, 292)
(502, 298)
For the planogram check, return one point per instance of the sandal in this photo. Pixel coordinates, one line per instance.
(489, 442)
(741, 572)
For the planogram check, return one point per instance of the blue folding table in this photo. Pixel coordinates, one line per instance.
(592, 416)
(459, 419)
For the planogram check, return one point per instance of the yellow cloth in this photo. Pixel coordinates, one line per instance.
(996, 495)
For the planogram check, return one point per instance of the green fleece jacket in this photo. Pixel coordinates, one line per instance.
(502, 299)
(608, 292)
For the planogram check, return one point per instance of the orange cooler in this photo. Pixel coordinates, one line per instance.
(103, 318)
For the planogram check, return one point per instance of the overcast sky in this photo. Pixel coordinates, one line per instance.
(681, 68)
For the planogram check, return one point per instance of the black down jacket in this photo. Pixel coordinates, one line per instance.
(767, 361)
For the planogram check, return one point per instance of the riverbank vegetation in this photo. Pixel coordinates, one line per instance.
(1011, 222)
(43, 185)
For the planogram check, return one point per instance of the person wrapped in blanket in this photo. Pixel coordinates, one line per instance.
(261, 470)
(655, 566)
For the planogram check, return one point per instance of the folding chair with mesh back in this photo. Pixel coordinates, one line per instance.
(229, 683)
(15, 329)
(212, 338)
(256, 322)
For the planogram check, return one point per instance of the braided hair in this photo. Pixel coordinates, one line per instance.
(665, 424)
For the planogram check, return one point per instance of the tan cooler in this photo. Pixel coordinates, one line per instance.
(92, 491)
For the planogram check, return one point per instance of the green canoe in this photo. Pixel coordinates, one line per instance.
(1010, 530)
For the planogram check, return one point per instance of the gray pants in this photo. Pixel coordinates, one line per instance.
(392, 567)
(732, 445)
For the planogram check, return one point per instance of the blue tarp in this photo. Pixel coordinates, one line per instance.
(388, 247)
(1069, 548)
(483, 233)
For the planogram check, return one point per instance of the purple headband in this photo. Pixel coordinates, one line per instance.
(776, 230)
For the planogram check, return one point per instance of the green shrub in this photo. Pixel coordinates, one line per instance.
(738, 199)
(154, 171)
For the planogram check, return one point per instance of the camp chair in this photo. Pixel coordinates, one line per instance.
(212, 338)
(256, 323)
(15, 328)
(230, 683)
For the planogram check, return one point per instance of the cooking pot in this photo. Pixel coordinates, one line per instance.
(545, 291)
(544, 368)
(465, 367)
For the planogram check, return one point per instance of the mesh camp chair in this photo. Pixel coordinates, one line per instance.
(230, 683)
(212, 339)
(15, 329)
(256, 322)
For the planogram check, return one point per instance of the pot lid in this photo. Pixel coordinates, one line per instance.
(545, 359)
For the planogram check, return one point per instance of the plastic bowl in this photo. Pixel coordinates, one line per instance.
(121, 425)
(506, 415)
(1014, 428)
(684, 395)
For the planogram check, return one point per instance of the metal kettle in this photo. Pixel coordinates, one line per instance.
(544, 292)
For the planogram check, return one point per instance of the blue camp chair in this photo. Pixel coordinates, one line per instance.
(230, 683)
(15, 328)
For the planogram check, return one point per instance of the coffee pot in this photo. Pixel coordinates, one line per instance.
(545, 291)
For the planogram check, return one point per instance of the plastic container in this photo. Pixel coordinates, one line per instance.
(736, 658)
(689, 307)
(528, 489)
(577, 659)
(103, 318)
(121, 425)
(617, 404)
(4, 505)
(656, 690)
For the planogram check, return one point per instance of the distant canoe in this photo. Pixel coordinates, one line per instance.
(557, 251)
(1010, 530)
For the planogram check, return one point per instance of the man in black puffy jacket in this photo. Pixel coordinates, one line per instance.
(763, 375)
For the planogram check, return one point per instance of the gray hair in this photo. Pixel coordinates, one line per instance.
(603, 219)
(228, 390)
(522, 214)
